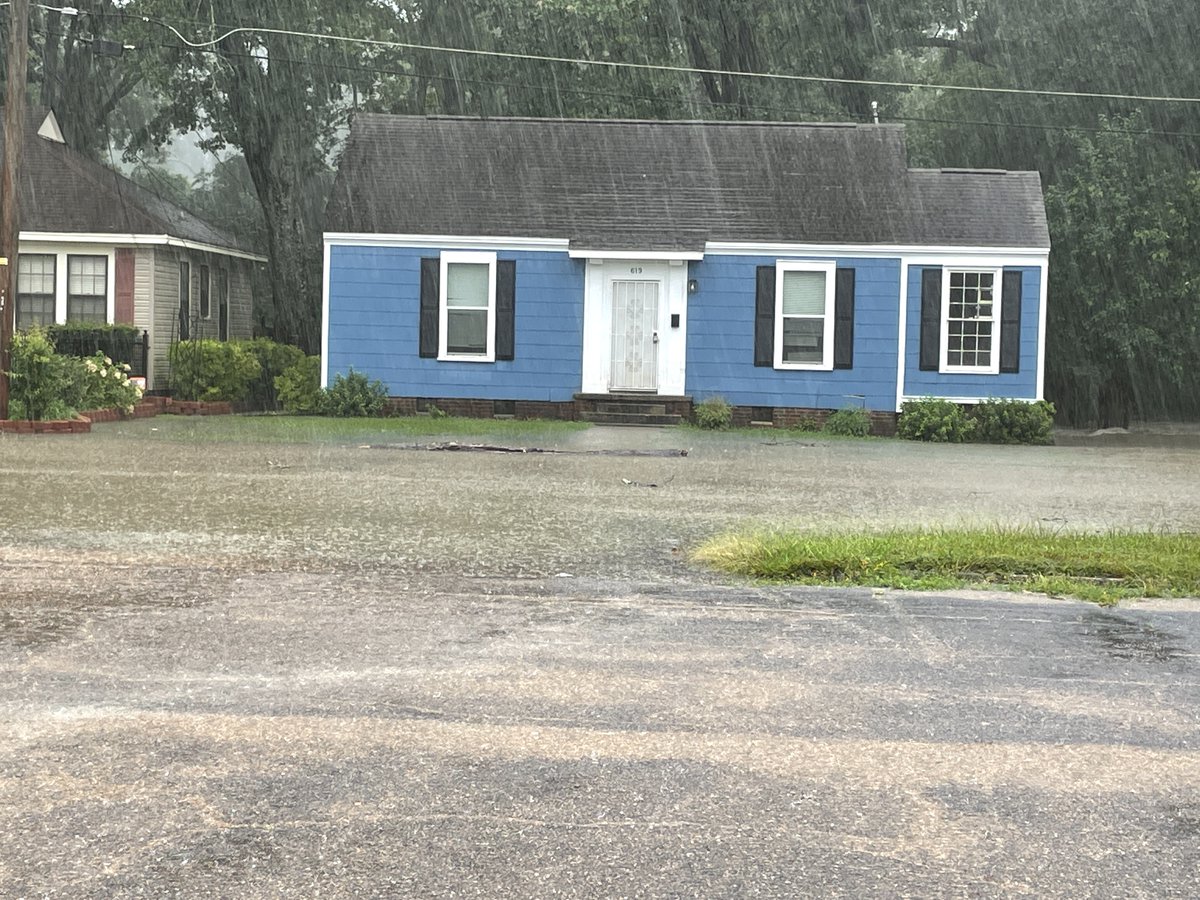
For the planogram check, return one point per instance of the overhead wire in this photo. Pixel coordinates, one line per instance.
(684, 102)
(232, 30)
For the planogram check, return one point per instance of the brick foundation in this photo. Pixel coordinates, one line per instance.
(883, 424)
(479, 409)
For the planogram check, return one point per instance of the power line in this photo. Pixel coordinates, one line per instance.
(682, 101)
(616, 64)
(656, 67)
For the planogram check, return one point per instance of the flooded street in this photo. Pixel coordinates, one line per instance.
(239, 669)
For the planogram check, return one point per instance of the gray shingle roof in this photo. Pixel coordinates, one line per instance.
(667, 185)
(63, 191)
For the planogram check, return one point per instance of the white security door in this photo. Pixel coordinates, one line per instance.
(635, 335)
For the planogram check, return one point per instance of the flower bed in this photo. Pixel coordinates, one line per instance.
(78, 425)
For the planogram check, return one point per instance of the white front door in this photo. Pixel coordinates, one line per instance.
(634, 334)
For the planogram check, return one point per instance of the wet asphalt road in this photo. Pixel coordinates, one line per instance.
(193, 720)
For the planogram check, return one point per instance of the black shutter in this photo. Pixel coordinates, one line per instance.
(843, 320)
(506, 301)
(931, 319)
(1010, 323)
(764, 318)
(430, 300)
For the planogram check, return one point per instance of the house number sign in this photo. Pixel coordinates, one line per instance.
(635, 270)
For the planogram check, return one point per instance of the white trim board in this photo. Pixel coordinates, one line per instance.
(1014, 256)
(445, 241)
(325, 317)
(652, 255)
(738, 248)
(140, 240)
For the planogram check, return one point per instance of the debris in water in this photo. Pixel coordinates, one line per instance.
(454, 446)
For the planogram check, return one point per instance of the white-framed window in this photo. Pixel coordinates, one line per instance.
(205, 293)
(467, 306)
(87, 289)
(36, 273)
(971, 320)
(804, 294)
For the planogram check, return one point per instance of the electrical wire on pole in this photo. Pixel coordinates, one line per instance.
(10, 215)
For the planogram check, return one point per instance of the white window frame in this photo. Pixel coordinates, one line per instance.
(829, 269)
(54, 275)
(108, 283)
(449, 257)
(993, 367)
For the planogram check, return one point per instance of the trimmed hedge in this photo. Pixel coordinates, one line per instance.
(990, 422)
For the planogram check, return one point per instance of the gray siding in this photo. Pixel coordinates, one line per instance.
(165, 319)
(165, 330)
(143, 288)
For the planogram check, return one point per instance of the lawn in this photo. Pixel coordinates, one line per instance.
(1104, 568)
(285, 429)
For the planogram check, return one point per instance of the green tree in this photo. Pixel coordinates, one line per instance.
(1124, 324)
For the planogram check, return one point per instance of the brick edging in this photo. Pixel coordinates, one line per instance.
(146, 408)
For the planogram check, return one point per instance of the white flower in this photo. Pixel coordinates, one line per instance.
(107, 361)
(91, 366)
(125, 367)
(104, 373)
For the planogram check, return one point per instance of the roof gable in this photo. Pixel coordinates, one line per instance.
(65, 192)
(635, 185)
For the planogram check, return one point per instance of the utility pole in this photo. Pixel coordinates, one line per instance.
(10, 220)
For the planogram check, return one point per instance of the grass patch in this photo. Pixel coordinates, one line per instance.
(1103, 568)
(283, 429)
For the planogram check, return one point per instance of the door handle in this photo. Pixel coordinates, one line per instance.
(655, 337)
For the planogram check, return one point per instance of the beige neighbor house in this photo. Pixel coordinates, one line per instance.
(98, 247)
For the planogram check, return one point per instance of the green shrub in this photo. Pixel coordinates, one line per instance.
(852, 421)
(931, 419)
(714, 413)
(436, 412)
(118, 342)
(105, 384)
(353, 395)
(298, 387)
(273, 360)
(42, 384)
(1013, 422)
(806, 424)
(212, 370)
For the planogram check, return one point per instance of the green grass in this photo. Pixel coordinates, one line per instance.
(1103, 568)
(283, 429)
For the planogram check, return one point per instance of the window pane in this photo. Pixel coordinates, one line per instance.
(205, 286)
(804, 340)
(87, 275)
(467, 284)
(34, 309)
(804, 293)
(87, 309)
(466, 331)
(35, 273)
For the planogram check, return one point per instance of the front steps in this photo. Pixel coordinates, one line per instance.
(632, 409)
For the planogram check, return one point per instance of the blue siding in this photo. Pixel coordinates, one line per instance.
(1020, 385)
(720, 344)
(374, 312)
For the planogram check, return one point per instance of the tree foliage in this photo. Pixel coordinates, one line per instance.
(1120, 173)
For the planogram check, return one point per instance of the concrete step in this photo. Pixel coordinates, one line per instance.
(631, 407)
(626, 418)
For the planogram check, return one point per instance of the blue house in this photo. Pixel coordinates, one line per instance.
(578, 268)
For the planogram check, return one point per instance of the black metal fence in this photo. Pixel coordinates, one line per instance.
(121, 344)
